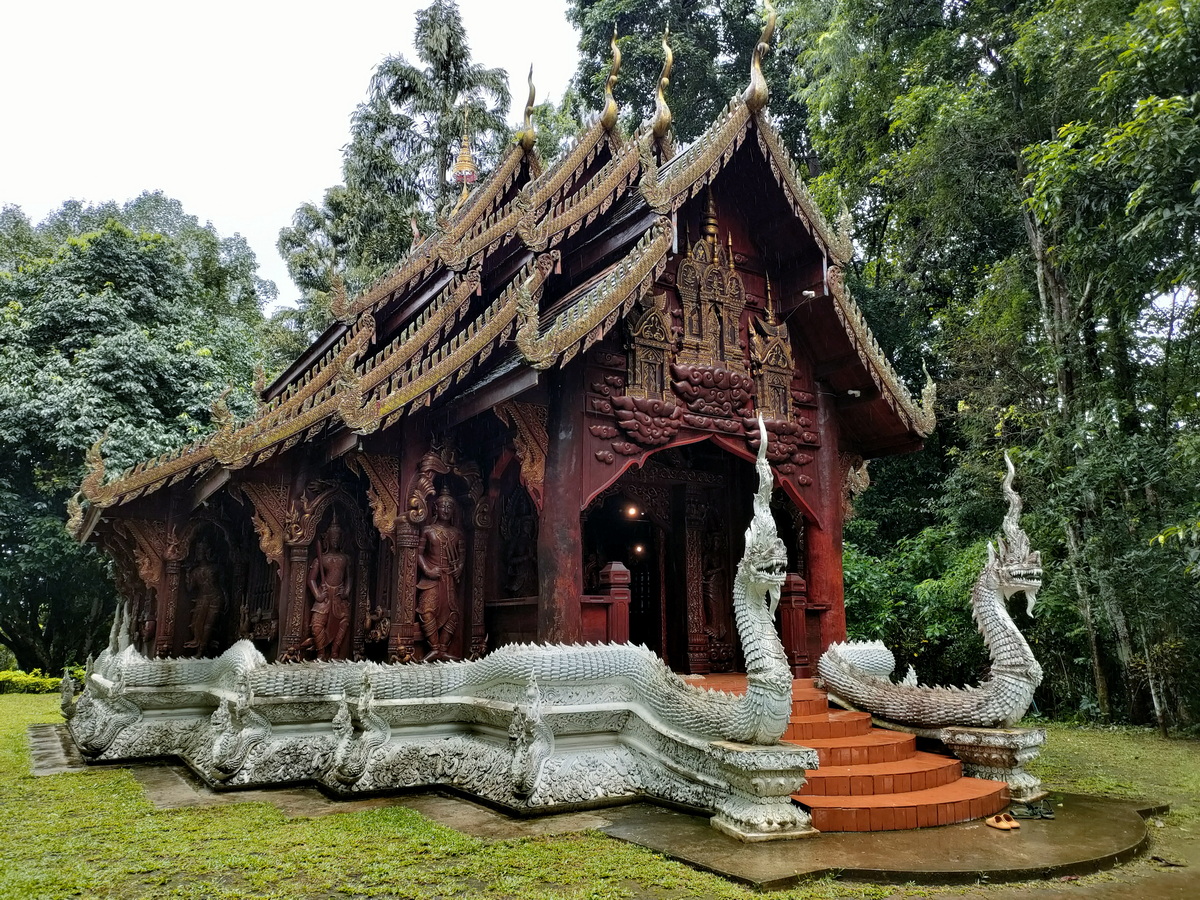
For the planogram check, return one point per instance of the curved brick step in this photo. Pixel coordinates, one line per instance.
(917, 773)
(877, 746)
(961, 801)
(829, 724)
(809, 702)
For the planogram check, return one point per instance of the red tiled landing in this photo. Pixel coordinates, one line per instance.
(830, 724)
(915, 773)
(876, 746)
(959, 801)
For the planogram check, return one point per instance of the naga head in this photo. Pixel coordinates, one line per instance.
(765, 563)
(1018, 568)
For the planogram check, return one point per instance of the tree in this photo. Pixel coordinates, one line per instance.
(1023, 177)
(103, 328)
(403, 141)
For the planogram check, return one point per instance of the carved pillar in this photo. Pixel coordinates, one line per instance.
(402, 644)
(168, 598)
(823, 542)
(695, 508)
(295, 597)
(560, 535)
(271, 511)
(479, 540)
(383, 474)
(792, 626)
(362, 590)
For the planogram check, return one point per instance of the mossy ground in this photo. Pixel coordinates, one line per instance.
(94, 834)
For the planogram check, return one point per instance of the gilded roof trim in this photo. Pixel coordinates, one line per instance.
(590, 316)
(920, 417)
(582, 207)
(428, 376)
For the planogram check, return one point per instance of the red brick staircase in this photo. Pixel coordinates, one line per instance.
(871, 779)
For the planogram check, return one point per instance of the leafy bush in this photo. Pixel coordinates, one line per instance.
(18, 682)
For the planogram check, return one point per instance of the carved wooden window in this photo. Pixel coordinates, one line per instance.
(650, 340)
(713, 297)
(773, 368)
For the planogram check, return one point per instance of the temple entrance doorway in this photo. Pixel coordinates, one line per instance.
(677, 523)
(620, 528)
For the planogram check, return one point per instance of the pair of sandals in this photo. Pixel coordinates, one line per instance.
(1042, 810)
(1002, 822)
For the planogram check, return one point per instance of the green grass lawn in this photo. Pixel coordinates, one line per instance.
(93, 834)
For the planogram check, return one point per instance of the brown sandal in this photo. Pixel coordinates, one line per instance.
(997, 822)
(1010, 821)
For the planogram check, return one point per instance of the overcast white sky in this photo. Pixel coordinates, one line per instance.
(237, 108)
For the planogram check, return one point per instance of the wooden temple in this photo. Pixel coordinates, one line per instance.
(539, 426)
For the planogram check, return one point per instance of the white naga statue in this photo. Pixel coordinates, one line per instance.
(857, 673)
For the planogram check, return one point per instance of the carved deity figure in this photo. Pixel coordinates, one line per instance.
(440, 556)
(208, 598)
(329, 581)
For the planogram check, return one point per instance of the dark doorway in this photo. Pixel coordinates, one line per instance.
(620, 529)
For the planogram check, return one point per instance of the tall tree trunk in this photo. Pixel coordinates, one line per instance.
(1083, 598)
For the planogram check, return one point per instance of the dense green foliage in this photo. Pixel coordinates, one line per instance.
(1025, 181)
(125, 321)
(404, 139)
(14, 681)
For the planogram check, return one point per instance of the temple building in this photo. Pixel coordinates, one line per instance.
(539, 426)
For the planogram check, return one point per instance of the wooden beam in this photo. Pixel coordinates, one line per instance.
(208, 486)
(486, 396)
(341, 444)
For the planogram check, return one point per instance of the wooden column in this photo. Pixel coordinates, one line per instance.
(824, 539)
(792, 602)
(294, 598)
(168, 600)
(402, 643)
(693, 561)
(560, 535)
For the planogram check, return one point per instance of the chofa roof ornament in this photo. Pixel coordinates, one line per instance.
(756, 93)
(527, 136)
(661, 125)
(608, 118)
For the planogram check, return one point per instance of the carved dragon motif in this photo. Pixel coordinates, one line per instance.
(856, 673)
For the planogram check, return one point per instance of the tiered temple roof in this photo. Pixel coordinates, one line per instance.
(533, 267)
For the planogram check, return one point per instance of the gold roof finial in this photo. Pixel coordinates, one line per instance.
(465, 171)
(528, 135)
(708, 220)
(729, 248)
(756, 94)
(771, 317)
(608, 118)
(662, 112)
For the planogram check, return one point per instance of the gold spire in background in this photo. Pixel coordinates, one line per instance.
(756, 93)
(662, 113)
(608, 118)
(465, 171)
(708, 219)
